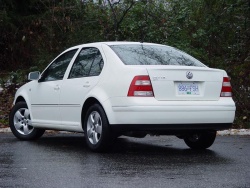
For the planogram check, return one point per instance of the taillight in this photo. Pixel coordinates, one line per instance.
(226, 90)
(141, 87)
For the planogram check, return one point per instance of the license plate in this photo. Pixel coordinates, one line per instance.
(188, 88)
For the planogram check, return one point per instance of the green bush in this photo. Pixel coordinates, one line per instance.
(217, 32)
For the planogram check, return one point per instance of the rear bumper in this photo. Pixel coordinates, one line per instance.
(170, 128)
(147, 113)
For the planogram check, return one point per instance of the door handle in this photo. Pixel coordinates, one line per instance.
(86, 84)
(57, 87)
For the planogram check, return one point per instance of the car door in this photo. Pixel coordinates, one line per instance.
(83, 76)
(45, 93)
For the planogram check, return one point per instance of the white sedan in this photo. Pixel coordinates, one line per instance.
(109, 89)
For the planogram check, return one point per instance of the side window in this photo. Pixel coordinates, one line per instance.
(97, 65)
(57, 69)
(86, 63)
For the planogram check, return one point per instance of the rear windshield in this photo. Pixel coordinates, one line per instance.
(139, 54)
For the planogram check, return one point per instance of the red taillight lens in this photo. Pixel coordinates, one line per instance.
(226, 90)
(141, 87)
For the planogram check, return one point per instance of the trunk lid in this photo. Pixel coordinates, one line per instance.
(185, 83)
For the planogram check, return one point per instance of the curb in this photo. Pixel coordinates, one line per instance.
(5, 130)
(241, 132)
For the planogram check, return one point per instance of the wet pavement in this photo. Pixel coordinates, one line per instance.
(63, 160)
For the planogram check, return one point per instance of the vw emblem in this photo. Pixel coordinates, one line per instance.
(189, 75)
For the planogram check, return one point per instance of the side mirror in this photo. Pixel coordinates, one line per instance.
(34, 75)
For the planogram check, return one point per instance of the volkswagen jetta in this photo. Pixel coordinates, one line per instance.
(109, 89)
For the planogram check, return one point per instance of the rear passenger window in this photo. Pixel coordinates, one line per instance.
(97, 65)
(89, 62)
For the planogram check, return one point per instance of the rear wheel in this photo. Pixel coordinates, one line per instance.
(20, 123)
(96, 129)
(200, 140)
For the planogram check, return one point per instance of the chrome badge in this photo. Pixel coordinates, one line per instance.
(189, 75)
(159, 78)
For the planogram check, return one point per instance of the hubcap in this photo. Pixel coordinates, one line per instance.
(94, 127)
(22, 121)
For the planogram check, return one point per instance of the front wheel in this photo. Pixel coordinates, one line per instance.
(200, 140)
(96, 129)
(20, 123)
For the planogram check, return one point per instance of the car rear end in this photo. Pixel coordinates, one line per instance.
(178, 94)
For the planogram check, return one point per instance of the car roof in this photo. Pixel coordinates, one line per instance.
(126, 42)
(112, 43)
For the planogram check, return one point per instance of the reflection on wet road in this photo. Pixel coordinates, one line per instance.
(63, 160)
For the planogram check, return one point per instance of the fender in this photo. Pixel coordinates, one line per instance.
(23, 92)
(100, 95)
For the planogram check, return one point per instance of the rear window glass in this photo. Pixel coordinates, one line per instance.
(139, 54)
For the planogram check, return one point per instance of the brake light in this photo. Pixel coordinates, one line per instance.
(226, 90)
(141, 87)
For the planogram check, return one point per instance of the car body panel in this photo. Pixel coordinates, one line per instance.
(71, 107)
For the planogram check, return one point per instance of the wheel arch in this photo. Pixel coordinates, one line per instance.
(89, 102)
(23, 96)
(19, 99)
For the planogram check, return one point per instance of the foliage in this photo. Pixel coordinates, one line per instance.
(217, 32)
(6, 99)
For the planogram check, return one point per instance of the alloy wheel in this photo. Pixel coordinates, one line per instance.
(22, 121)
(94, 127)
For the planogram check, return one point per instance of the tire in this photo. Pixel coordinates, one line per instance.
(96, 129)
(20, 123)
(200, 140)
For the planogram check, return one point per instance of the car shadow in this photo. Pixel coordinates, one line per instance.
(129, 151)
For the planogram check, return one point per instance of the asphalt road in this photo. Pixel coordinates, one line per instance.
(63, 160)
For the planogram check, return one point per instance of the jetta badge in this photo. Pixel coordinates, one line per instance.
(189, 75)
